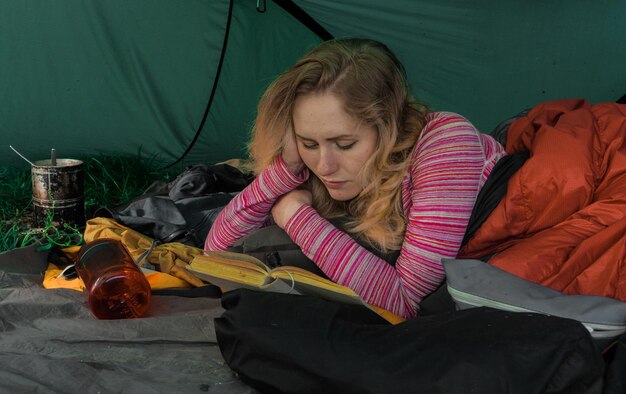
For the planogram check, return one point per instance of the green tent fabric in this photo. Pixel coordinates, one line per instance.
(136, 77)
(488, 60)
(88, 76)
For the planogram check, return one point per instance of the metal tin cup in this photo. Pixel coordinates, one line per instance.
(58, 192)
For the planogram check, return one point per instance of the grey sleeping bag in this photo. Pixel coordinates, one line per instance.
(473, 283)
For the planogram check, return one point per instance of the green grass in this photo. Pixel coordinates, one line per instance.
(50, 235)
(16, 189)
(113, 180)
(109, 181)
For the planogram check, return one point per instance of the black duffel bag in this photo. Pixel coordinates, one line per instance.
(299, 344)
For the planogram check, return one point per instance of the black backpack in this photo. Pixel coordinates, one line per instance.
(184, 209)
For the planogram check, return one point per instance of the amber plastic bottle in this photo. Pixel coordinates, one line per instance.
(115, 286)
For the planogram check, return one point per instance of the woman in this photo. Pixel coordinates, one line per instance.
(339, 135)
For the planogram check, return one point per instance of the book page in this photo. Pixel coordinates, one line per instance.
(234, 258)
(306, 282)
(224, 284)
(280, 286)
(304, 277)
(229, 272)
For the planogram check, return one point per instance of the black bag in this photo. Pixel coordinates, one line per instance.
(615, 378)
(299, 344)
(184, 209)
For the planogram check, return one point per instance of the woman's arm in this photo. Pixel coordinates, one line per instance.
(248, 210)
(446, 175)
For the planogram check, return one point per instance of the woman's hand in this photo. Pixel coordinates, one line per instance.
(290, 154)
(287, 206)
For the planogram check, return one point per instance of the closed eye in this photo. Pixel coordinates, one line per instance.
(346, 146)
(309, 146)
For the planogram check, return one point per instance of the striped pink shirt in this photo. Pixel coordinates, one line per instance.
(450, 164)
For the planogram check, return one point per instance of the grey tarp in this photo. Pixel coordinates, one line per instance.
(50, 342)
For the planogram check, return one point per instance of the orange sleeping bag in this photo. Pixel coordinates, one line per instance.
(562, 223)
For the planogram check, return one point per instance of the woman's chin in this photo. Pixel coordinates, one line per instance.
(341, 195)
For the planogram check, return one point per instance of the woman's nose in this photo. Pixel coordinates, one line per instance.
(327, 163)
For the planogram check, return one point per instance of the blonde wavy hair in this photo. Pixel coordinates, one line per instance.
(372, 83)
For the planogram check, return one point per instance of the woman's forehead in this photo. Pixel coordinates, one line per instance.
(322, 115)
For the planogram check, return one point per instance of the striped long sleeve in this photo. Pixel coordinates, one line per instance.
(451, 162)
(250, 209)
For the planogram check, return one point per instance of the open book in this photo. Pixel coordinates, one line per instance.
(230, 271)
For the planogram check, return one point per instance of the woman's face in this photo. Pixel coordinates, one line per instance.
(332, 143)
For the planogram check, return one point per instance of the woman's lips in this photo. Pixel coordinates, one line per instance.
(334, 184)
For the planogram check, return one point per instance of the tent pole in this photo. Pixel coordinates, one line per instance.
(304, 18)
(214, 88)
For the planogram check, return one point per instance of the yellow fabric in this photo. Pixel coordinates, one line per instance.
(72, 252)
(170, 258)
(157, 280)
(51, 280)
